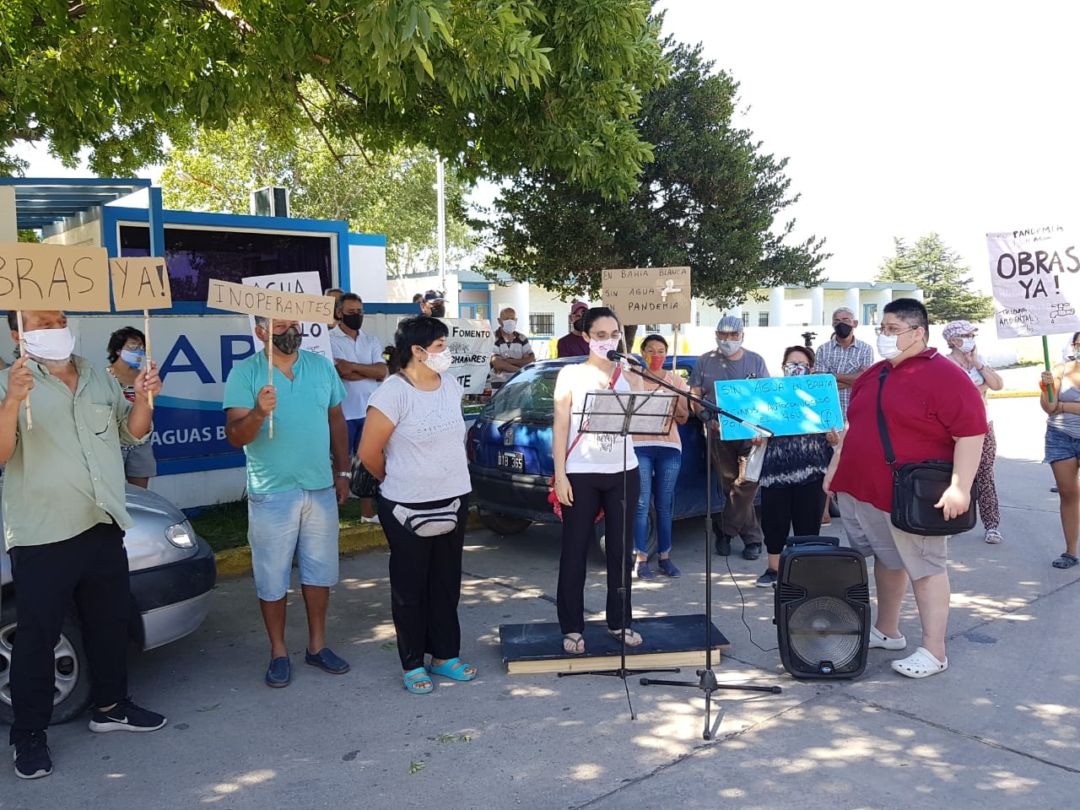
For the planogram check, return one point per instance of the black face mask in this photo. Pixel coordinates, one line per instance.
(843, 330)
(288, 342)
(438, 311)
(353, 321)
(578, 325)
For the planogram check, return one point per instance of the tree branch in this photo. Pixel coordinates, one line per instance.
(318, 128)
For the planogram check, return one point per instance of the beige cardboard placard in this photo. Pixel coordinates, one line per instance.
(141, 283)
(643, 295)
(269, 303)
(36, 276)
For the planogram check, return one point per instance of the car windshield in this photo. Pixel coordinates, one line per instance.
(528, 397)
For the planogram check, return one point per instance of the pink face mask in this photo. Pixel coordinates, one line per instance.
(601, 347)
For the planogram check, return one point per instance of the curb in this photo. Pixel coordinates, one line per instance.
(236, 562)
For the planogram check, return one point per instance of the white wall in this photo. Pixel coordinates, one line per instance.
(367, 272)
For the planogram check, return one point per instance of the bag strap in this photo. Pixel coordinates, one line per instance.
(883, 429)
(611, 387)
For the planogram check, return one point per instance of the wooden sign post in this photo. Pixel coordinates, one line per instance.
(141, 283)
(273, 305)
(50, 277)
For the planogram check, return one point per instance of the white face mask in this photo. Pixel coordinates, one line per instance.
(886, 346)
(728, 347)
(601, 347)
(439, 361)
(49, 344)
(967, 345)
(509, 326)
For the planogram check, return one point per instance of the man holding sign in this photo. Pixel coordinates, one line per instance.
(64, 522)
(293, 493)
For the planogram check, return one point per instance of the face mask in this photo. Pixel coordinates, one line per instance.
(656, 362)
(967, 345)
(578, 325)
(728, 347)
(601, 347)
(133, 357)
(509, 326)
(353, 321)
(843, 330)
(438, 311)
(49, 344)
(439, 361)
(796, 369)
(288, 342)
(886, 346)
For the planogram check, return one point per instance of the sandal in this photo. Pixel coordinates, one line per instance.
(633, 638)
(455, 669)
(1066, 560)
(573, 644)
(920, 664)
(418, 681)
(993, 536)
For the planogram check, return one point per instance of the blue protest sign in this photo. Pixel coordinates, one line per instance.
(788, 406)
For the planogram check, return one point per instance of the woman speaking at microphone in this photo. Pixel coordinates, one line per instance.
(589, 477)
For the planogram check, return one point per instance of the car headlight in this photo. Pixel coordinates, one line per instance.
(181, 535)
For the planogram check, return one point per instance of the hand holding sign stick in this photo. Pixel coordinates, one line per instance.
(270, 367)
(22, 353)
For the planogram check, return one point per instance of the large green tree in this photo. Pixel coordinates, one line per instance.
(943, 277)
(495, 85)
(710, 199)
(375, 192)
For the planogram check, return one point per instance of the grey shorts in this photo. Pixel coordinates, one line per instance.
(871, 533)
(139, 460)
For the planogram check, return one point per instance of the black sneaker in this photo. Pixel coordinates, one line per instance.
(752, 551)
(126, 716)
(32, 757)
(766, 580)
(723, 545)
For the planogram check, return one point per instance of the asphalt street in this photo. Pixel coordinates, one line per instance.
(1000, 728)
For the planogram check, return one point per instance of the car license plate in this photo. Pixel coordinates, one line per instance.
(514, 462)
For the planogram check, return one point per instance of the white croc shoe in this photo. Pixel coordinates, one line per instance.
(920, 664)
(880, 641)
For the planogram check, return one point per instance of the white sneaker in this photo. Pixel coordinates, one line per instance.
(880, 641)
(374, 519)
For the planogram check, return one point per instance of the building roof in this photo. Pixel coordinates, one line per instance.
(857, 285)
(42, 201)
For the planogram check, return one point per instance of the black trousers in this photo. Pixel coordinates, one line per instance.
(90, 570)
(591, 492)
(798, 508)
(425, 586)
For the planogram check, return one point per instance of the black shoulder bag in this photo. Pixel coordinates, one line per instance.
(917, 487)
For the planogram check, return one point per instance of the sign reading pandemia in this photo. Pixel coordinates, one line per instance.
(1035, 276)
(788, 406)
(648, 294)
(36, 276)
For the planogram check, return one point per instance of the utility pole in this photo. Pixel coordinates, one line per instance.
(440, 189)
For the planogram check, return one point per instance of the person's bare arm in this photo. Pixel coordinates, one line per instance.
(360, 371)
(242, 424)
(957, 498)
(377, 430)
(19, 383)
(560, 436)
(1051, 381)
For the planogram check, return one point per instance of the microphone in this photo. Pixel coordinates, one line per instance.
(614, 355)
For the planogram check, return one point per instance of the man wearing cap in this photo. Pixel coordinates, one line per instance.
(573, 343)
(843, 355)
(730, 361)
(434, 304)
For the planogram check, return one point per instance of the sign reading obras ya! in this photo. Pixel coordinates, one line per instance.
(141, 283)
(36, 276)
(643, 295)
(270, 303)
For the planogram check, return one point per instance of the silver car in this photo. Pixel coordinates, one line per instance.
(172, 572)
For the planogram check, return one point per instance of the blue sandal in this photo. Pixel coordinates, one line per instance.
(415, 679)
(454, 669)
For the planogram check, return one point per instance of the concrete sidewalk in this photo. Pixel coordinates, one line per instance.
(1000, 729)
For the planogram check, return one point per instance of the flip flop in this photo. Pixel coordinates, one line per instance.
(920, 664)
(415, 679)
(455, 669)
(1066, 560)
(573, 644)
(633, 638)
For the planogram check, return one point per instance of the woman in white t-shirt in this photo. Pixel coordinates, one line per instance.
(414, 443)
(588, 478)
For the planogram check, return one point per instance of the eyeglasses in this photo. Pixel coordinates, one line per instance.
(893, 331)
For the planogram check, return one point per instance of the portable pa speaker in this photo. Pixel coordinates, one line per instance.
(822, 609)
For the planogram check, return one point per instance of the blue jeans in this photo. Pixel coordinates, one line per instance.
(298, 523)
(356, 429)
(659, 467)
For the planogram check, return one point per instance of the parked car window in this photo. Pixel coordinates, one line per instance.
(528, 397)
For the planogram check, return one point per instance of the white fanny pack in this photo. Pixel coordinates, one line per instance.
(429, 522)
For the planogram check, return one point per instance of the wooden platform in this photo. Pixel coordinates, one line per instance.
(669, 641)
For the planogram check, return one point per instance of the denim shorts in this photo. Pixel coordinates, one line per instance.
(1060, 446)
(301, 523)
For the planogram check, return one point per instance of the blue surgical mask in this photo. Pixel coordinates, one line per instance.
(133, 358)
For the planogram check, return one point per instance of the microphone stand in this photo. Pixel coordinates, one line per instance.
(707, 682)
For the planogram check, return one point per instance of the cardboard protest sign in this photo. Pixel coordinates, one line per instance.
(471, 343)
(788, 406)
(1035, 275)
(648, 294)
(270, 303)
(316, 335)
(37, 276)
(141, 283)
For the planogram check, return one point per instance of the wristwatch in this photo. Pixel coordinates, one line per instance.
(344, 474)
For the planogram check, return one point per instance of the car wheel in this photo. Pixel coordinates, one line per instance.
(71, 688)
(503, 524)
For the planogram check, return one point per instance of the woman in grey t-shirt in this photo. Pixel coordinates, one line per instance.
(414, 443)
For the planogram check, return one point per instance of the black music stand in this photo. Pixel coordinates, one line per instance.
(617, 413)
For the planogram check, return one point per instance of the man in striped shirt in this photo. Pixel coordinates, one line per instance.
(843, 355)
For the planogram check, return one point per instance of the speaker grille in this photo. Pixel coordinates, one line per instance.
(825, 629)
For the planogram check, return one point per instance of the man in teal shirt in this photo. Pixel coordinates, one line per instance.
(293, 491)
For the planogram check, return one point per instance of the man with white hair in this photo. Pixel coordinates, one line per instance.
(843, 355)
(730, 361)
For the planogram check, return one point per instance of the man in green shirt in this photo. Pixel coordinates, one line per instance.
(64, 522)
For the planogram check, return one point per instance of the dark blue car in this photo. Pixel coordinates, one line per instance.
(510, 462)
